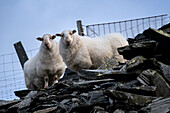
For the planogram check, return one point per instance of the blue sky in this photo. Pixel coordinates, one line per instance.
(24, 20)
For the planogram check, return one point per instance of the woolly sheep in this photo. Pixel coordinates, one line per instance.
(84, 52)
(46, 67)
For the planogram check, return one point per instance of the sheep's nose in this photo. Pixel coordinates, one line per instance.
(46, 44)
(68, 43)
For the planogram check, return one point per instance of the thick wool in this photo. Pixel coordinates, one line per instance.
(85, 52)
(46, 64)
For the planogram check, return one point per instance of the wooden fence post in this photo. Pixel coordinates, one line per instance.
(21, 53)
(80, 28)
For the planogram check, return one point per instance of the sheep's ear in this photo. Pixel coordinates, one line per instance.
(73, 31)
(58, 35)
(53, 37)
(40, 39)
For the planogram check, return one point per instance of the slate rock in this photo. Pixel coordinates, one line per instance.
(129, 98)
(144, 48)
(140, 90)
(69, 75)
(140, 37)
(118, 111)
(47, 110)
(22, 93)
(5, 105)
(165, 69)
(98, 109)
(110, 64)
(129, 71)
(160, 105)
(163, 88)
(155, 79)
(140, 63)
(159, 36)
(165, 28)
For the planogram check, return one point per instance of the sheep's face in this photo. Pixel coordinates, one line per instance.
(67, 37)
(47, 40)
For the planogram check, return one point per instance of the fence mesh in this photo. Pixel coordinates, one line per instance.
(11, 73)
(128, 28)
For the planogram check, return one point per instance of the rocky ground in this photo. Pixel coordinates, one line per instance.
(140, 85)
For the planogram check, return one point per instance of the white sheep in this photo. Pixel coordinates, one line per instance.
(84, 52)
(46, 67)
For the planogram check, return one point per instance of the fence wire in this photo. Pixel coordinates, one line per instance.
(128, 28)
(11, 75)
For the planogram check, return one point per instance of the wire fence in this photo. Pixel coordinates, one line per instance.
(11, 73)
(128, 28)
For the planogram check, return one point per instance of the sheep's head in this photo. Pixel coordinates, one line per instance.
(47, 40)
(67, 37)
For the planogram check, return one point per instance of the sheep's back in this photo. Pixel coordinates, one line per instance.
(103, 48)
(116, 39)
(99, 50)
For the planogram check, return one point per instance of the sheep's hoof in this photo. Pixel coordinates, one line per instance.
(126, 60)
(46, 87)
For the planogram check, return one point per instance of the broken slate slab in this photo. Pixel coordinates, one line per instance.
(90, 101)
(129, 98)
(144, 48)
(162, 87)
(47, 110)
(165, 28)
(155, 79)
(69, 75)
(161, 37)
(140, 90)
(4, 105)
(165, 69)
(93, 82)
(110, 64)
(22, 93)
(140, 63)
(140, 37)
(161, 105)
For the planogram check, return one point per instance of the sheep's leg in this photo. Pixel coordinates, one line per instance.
(120, 58)
(55, 79)
(46, 79)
